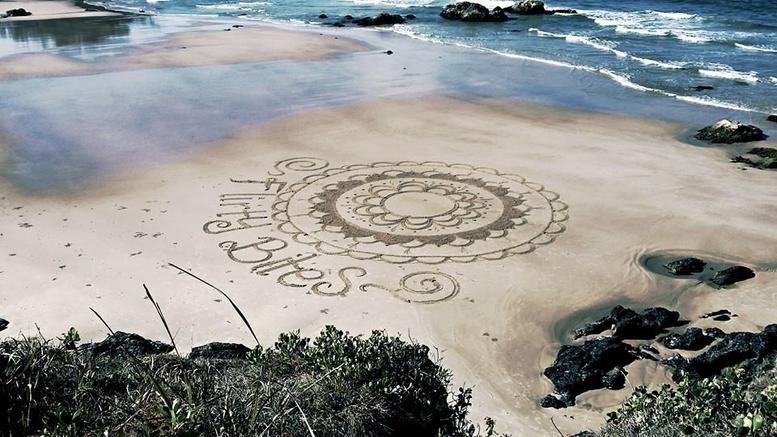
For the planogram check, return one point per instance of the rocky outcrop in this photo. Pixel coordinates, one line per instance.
(759, 157)
(772, 117)
(472, 12)
(595, 364)
(685, 266)
(122, 342)
(693, 339)
(3, 324)
(220, 351)
(732, 275)
(534, 7)
(382, 19)
(626, 323)
(21, 12)
(729, 132)
(733, 350)
(551, 401)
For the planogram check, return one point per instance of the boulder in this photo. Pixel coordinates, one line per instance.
(3, 324)
(551, 401)
(527, 7)
(733, 350)
(323, 16)
(468, 11)
(584, 434)
(714, 332)
(220, 351)
(772, 117)
(693, 339)
(410, 17)
(592, 365)
(626, 323)
(759, 157)
(713, 314)
(703, 88)
(21, 12)
(381, 19)
(729, 132)
(122, 342)
(685, 266)
(732, 275)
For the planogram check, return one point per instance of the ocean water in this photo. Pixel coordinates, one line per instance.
(656, 46)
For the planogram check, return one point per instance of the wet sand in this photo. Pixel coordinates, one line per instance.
(496, 305)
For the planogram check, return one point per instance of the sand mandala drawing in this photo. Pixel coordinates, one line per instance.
(396, 213)
(427, 212)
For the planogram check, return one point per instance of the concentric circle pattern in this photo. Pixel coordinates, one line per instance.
(428, 212)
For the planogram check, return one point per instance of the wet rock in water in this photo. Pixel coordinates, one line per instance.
(551, 401)
(468, 11)
(389, 52)
(338, 24)
(323, 16)
(122, 342)
(561, 11)
(527, 7)
(732, 275)
(348, 17)
(381, 19)
(21, 12)
(729, 132)
(221, 351)
(759, 157)
(626, 323)
(733, 350)
(3, 324)
(693, 339)
(410, 17)
(716, 313)
(772, 117)
(703, 88)
(589, 366)
(685, 266)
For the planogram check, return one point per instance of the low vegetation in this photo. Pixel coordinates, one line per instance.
(334, 385)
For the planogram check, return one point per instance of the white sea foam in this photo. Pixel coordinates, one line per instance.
(728, 73)
(773, 80)
(703, 100)
(755, 48)
(638, 31)
(668, 65)
(394, 3)
(579, 39)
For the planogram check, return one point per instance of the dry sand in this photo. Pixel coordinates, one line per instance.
(49, 10)
(631, 187)
(251, 43)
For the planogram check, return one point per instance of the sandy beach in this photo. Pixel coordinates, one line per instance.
(253, 213)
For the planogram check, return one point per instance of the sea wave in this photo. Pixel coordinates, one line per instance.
(728, 73)
(668, 65)
(579, 39)
(755, 48)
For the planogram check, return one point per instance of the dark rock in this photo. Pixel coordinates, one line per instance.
(338, 25)
(323, 16)
(716, 313)
(714, 332)
(589, 366)
(221, 351)
(615, 379)
(693, 339)
(562, 11)
(21, 12)
(527, 7)
(685, 266)
(772, 117)
(3, 324)
(551, 401)
(468, 11)
(122, 342)
(628, 324)
(381, 19)
(702, 88)
(584, 434)
(732, 275)
(759, 157)
(729, 132)
(722, 318)
(348, 17)
(410, 17)
(734, 349)
(389, 52)
(237, 26)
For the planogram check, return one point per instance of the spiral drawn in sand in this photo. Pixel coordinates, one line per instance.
(298, 164)
(422, 287)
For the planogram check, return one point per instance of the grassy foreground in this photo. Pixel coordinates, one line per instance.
(334, 385)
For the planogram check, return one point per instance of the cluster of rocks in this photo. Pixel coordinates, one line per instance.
(759, 157)
(689, 266)
(382, 19)
(475, 12)
(600, 362)
(729, 131)
(20, 12)
(135, 345)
